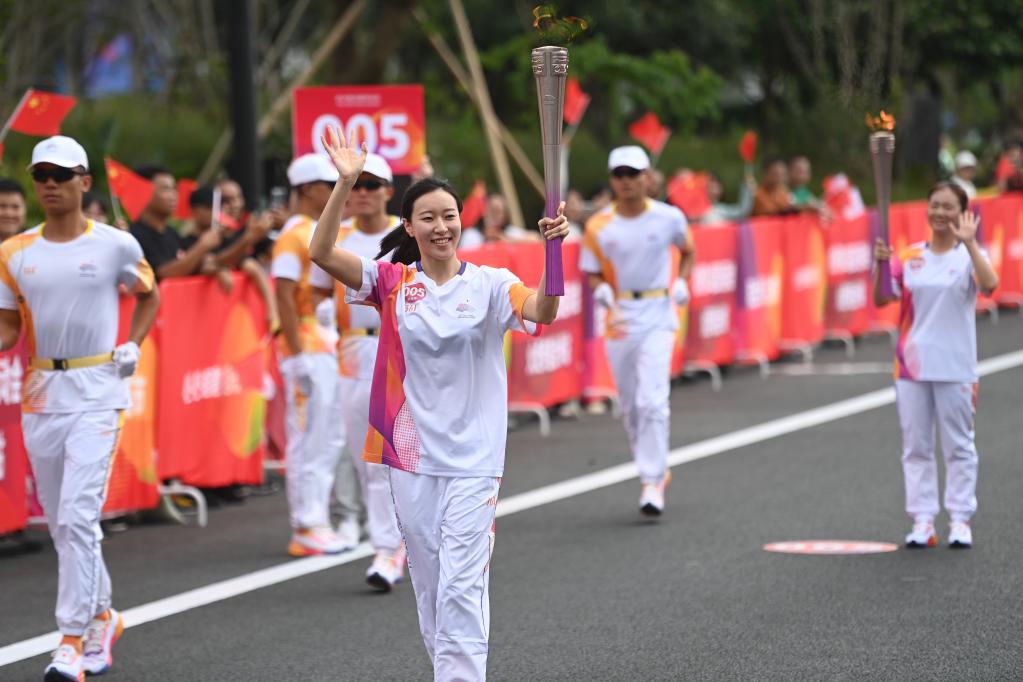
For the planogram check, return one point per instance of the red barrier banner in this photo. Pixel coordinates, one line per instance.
(850, 257)
(712, 287)
(390, 119)
(547, 369)
(1002, 232)
(678, 352)
(804, 288)
(760, 268)
(13, 459)
(210, 382)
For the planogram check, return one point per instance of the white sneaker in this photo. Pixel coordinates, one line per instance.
(348, 533)
(315, 541)
(651, 499)
(922, 535)
(98, 644)
(66, 665)
(959, 535)
(387, 569)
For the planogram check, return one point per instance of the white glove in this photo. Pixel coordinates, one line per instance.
(326, 313)
(126, 357)
(298, 368)
(680, 292)
(604, 295)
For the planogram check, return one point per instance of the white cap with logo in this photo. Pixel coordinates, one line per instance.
(966, 159)
(378, 166)
(60, 151)
(311, 168)
(631, 156)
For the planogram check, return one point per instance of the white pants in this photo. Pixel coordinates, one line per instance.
(642, 370)
(71, 456)
(315, 438)
(952, 407)
(373, 478)
(448, 525)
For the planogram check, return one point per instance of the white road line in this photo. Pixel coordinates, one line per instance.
(266, 577)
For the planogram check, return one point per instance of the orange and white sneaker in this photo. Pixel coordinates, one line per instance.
(387, 569)
(922, 535)
(651, 498)
(314, 541)
(98, 644)
(959, 535)
(66, 665)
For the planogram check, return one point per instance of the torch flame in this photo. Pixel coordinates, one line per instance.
(555, 30)
(883, 121)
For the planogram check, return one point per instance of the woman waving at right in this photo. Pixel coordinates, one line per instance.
(936, 362)
(439, 402)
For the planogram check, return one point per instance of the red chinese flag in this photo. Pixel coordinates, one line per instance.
(748, 146)
(576, 102)
(41, 113)
(649, 131)
(474, 205)
(133, 190)
(688, 191)
(185, 189)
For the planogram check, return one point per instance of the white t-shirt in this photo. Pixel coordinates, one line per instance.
(439, 402)
(291, 261)
(937, 319)
(634, 255)
(67, 293)
(357, 354)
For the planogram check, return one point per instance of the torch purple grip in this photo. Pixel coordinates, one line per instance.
(552, 254)
(884, 279)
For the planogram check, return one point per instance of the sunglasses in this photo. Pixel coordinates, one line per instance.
(368, 185)
(60, 175)
(625, 172)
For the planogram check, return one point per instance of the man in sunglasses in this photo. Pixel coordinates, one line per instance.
(309, 367)
(61, 280)
(627, 252)
(359, 326)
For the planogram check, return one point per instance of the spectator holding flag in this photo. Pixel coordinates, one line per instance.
(772, 197)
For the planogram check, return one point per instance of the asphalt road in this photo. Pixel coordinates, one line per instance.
(583, 589)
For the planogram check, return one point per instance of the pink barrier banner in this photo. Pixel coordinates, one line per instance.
(850, 257)
(713, 296)
(760, 267)
(804, 288)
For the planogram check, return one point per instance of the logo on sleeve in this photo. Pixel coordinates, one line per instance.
(414, 293)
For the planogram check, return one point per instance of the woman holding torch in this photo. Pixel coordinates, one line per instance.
(438, 406)
(936, 283)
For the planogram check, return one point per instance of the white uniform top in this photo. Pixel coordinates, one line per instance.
(439, 402)
(937, 319)
(634, 255)
(67, 293)
(357, 353)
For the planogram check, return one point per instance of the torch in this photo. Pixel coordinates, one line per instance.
(882, 149)
(550, 68)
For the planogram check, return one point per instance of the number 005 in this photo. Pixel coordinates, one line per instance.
(390, 141)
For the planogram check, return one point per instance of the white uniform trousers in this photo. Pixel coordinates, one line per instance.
(71, 456)
(373, 478)
(952, 407)
(448, 525)
(642, 370)
(315, 438)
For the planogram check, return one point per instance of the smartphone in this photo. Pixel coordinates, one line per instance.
(278, 197)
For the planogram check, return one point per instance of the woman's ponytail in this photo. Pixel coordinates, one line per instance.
(401, 245)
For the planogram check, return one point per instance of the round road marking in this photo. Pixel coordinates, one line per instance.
(830, 547)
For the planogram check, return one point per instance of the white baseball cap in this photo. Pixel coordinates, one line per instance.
(378, 166)
(60, 151)
(311, 168)
(965, 159)
(631, 156)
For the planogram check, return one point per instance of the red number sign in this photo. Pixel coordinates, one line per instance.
(390, 119)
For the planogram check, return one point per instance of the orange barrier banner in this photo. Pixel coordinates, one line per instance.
(210, 380)
(678, 352)
(13, 459)
(1002, 232)
(713, 288)
(805, 283)
(760, 269)
(850, 257)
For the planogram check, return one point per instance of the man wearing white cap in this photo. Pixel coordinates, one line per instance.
(966, 170)
(308, 365)
(359, 326)
(60, 280)
(627, 252)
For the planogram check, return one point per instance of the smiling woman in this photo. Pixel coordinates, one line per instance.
(439, 399)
